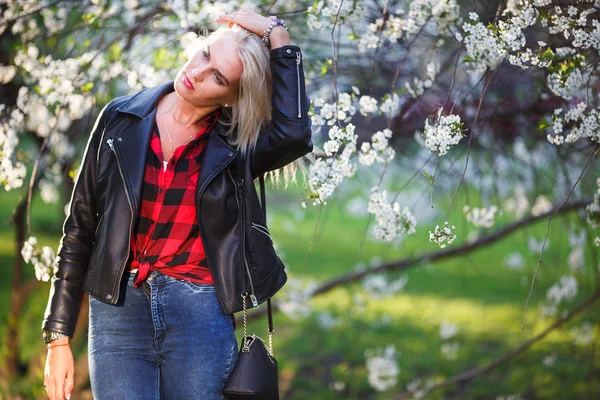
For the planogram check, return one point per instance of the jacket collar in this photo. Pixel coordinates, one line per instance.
(144, 101)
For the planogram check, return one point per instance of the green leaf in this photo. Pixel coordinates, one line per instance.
(89, 18)
(547, 55)
(428, 177)
(544, 123)
(87, 87)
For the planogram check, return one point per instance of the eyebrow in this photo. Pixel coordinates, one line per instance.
(217, 71)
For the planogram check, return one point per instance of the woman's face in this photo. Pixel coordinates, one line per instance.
(211, 77)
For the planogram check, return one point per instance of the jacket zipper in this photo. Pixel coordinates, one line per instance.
(113, 148)
(236, 189)
(252, 295)
(298, 76)
(262, 230)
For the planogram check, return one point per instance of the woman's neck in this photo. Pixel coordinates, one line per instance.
(184, 114)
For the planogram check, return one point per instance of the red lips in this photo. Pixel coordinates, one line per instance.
(187, 82)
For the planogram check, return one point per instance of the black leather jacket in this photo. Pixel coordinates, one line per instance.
(105, 202)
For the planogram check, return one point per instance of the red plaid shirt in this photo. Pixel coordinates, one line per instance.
(167, 236)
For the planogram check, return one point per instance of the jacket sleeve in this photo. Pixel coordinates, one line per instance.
(74, 250)
(289, 134)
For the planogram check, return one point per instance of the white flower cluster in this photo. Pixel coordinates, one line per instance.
(449, 349)
(329, 113)
(383, 368)
(487, 46)
(54, 20)
(483, 48)
(439, 15)
(419, 85)
(443, 235)
(327, 173)
(593, 212)
(295, 300)
(377, 285)
(542, 205)
(326, 320)
(448, 330)
(517, 203)
(512, 29)
(515, 396)
(566, 84)
(58, 81)
(419, 389)
(368, 105)
(514, 260)
(549, 360)
(322, 14)
(584, 125)
(584, 334)
(576, 257)
(444, 133)
(11, 174)
(536, 246)
(197, 13)
(43, 262)
(574, 23)
(378, 149)
(390, 221)
(7, 73)
(565, 290)
(527, 58)
(391, 105)
(482, 217)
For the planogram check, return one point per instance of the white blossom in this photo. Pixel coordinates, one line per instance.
(390, 220)
(327, 173)
(383, 367)
(483, 217)
(564, 290)
(368, 105)
(514, 260)
(541, 206)
(326, 320)
(443, 235)
(584, 334)
(378, 150)
(518, 203)
(444, 133)
(450, 350)
(377, 285)
(448, 330)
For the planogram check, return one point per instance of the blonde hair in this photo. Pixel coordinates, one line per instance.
(252, 110)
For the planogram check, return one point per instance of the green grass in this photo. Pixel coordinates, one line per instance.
(475, 291)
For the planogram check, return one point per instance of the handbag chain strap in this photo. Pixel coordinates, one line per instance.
(246, 346)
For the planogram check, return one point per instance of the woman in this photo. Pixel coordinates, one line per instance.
(165, 230)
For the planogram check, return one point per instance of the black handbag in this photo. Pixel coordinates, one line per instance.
(255, 374)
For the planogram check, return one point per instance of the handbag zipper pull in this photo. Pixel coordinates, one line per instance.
(254, 301)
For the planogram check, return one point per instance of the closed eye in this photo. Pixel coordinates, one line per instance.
(216, 76)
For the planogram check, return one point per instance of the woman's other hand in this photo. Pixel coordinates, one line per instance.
(59, 371)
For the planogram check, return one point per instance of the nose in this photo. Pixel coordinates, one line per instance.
(196, 73)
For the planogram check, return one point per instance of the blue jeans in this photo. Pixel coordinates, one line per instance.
(168, 339)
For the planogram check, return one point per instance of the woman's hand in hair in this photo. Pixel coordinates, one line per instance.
(251, 21)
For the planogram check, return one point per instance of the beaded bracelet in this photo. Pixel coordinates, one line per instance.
(276, 22)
